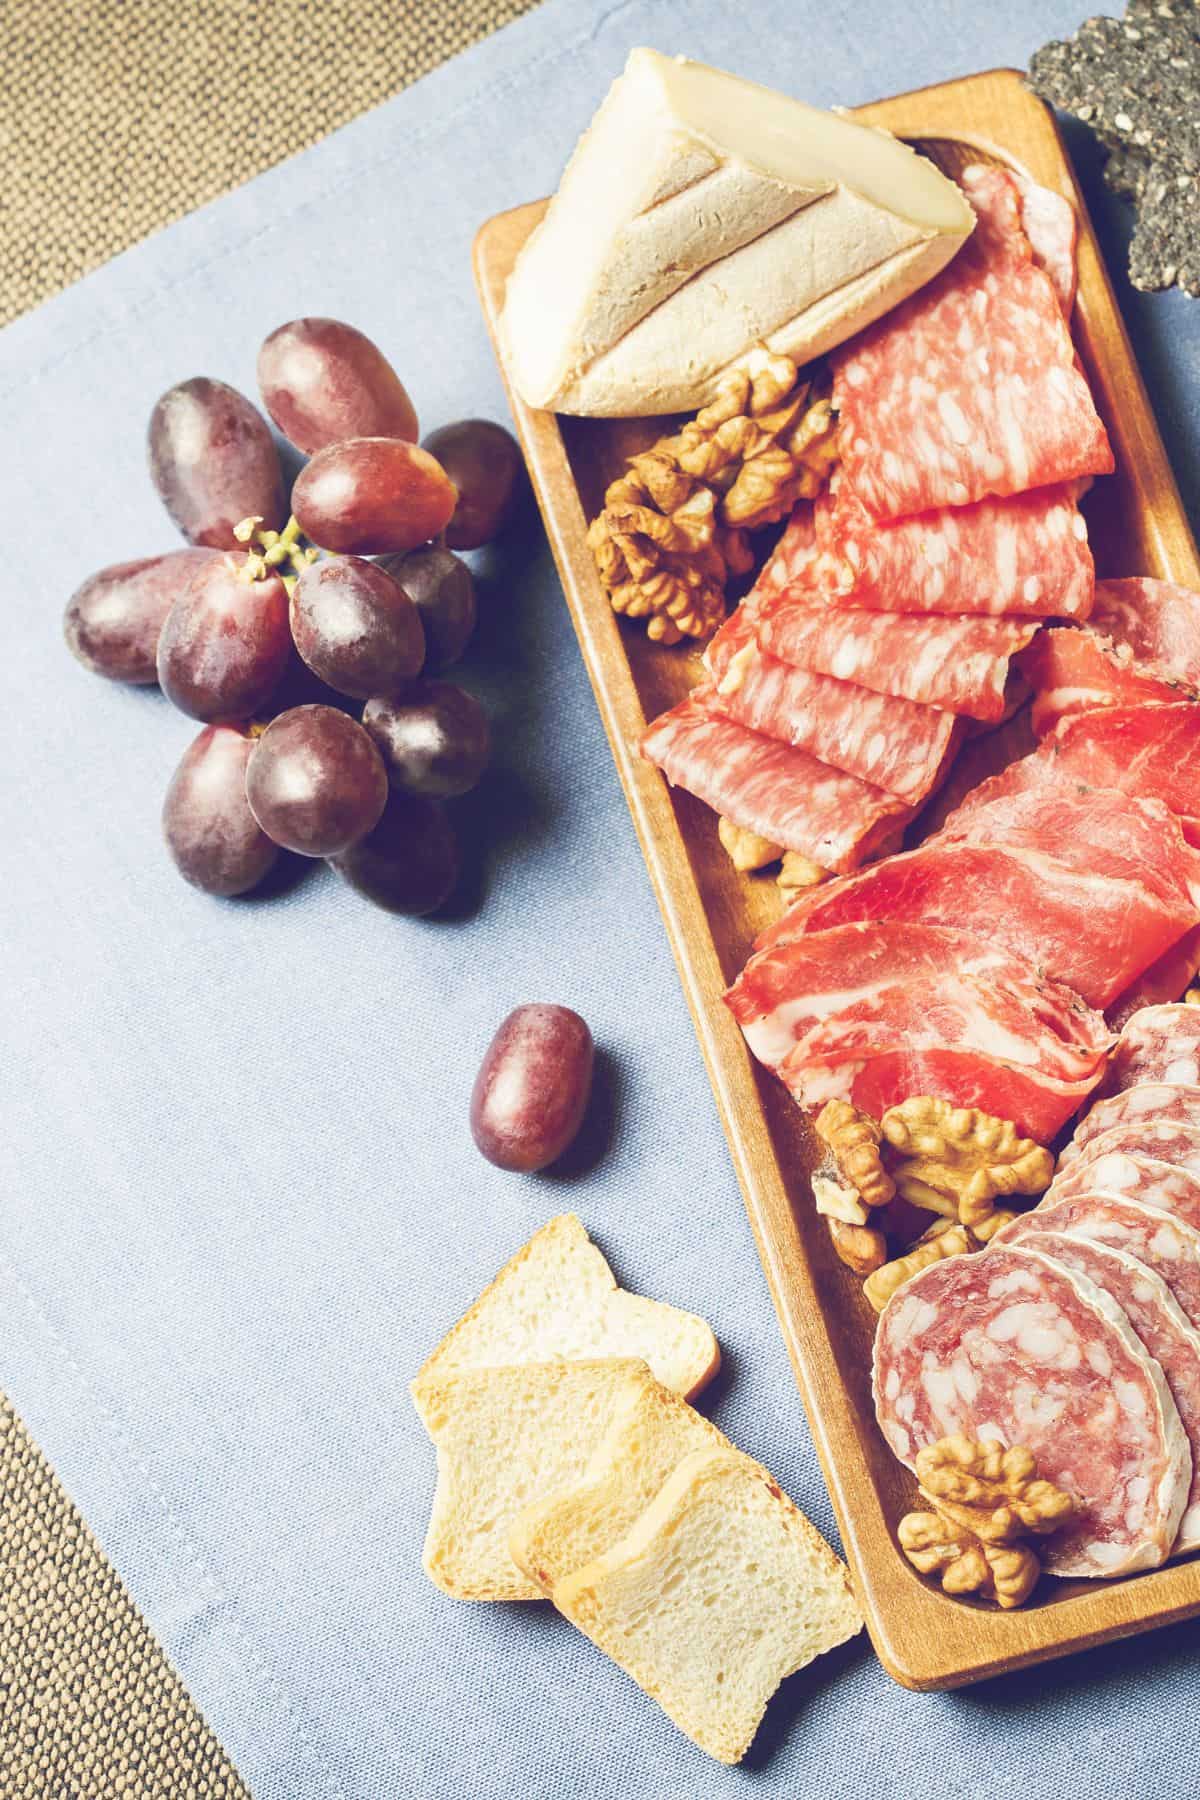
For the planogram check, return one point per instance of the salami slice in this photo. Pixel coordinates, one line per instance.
(1136, 1175)
(971, 387)
(1162, 1328)
(1076, 671)
(1025, 555)
(1160, 1043)
(783, 794)
(1012, 1345)
(893, 744)
(1052, 229)
(1166, 1140)
(1148, 750)
(1148, 1100)
(1166, 1244)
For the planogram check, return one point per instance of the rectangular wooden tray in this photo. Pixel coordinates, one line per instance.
(923, 1639)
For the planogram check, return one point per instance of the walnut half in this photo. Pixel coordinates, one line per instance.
(959, 1161)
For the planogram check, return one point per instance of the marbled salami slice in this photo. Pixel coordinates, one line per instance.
(1052, 229)
(971, 387)
(1163, 1329)
(1076, 671)
(783, 794)
(1012, 1345)
(893, 744)
(1135, 1174)
(1164, 1243)
(1148, 1100)
(1159, 1043)
(1166, 1140)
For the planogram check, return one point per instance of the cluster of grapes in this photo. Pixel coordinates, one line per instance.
(225, 625)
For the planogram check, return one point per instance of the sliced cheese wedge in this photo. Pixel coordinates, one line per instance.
(700, 215)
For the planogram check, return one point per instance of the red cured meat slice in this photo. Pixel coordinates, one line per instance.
(1076, 671)
(1148, 1100)
(1165, 1140)
(892, 744)
(784, 795)
(1159, 1043)
(971, 387)
(1091, 933)
(875, 1013)
(789, 564)
(1163, 1329)
(1026, 555)
(1167, 1244)
(1135, 1175)
(1011, 1345)
(1157, 622)
(1052, 229)
(1148, 750)
(1163, 981)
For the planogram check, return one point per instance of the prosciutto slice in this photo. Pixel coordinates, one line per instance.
(1076, 671)
(971, 387)
(875, 1013)
(1163, 981)
(1157, 622)
(1148, 750)
(1013, 1345)
(785, 795)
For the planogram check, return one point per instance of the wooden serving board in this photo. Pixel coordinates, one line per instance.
(1138, 526)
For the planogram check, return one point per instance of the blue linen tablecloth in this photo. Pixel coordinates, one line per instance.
(241, 1202)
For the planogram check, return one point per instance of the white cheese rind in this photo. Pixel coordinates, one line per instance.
(700, 215)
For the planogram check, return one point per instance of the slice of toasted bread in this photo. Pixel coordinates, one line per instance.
(557, 1297)
(720, 1590)
(505, 1436)
(562, 1531)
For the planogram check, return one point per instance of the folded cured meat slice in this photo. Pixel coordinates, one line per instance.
(1091, 931)
(1052, 229)
(1075, 671)
(1148, 1100)
(876, 1012)
(1148, 750)
(1164, 1140)
(1134, 1174)
(893, 744)
(1013, 1345)
(1162, 1327)
(1167, 1244)
(1026, 555)
(1164, 980)
(1157, 622)
(782, 794)
(971, 387)
(1159, 1043)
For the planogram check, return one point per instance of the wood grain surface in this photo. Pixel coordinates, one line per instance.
(1138, 526)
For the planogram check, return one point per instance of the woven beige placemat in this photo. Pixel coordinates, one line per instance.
(121, 115)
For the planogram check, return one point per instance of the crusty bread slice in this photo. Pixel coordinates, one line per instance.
(720, 1590)
(557, 1297)
(647, 1440)
(503, 1437)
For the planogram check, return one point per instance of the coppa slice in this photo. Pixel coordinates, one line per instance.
(1163, 981)
(1163, 1329)
(1134, 1174)
(876, 1012)
(971, 387)
(1011, 1345)
(1163, 1243)
(1076, 671)
(893, 744)
(1160, 1043)
(1148, 750)
(782, 794)
(1158, 622)
(1148, 1100)
(1028, 555)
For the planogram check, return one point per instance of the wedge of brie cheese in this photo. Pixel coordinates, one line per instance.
(701, 215)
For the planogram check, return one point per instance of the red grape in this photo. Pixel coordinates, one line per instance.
(226, 642)
(356, 628)
(532, 1088)
(210, 831)
(443, 589)
(409, 862)
(214, 462)
(370, 495)
(112, 622)
(434, 739)
(315, 781)
(484, 463)
(323, 381)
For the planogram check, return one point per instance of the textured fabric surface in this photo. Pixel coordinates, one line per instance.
(120, 115)
(242, 1202)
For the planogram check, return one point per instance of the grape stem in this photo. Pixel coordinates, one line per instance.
(268, 550)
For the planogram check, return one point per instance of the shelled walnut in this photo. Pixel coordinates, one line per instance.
(958, 1160)
(745, 849)
(945, 1237)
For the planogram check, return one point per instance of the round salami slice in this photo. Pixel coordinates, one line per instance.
(1011, 1345)
(1161, 1324)
(1163, 1140)
(1159, 1043)
(1157, 1100)
(1165, 1244)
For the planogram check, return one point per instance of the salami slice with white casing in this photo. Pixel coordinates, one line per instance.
(1149, 1100)
(1175, 1191)
(1011, 1345)
(1164, 1243)
(1164, 1140)
(1159, 1043)
(1163, 1327)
